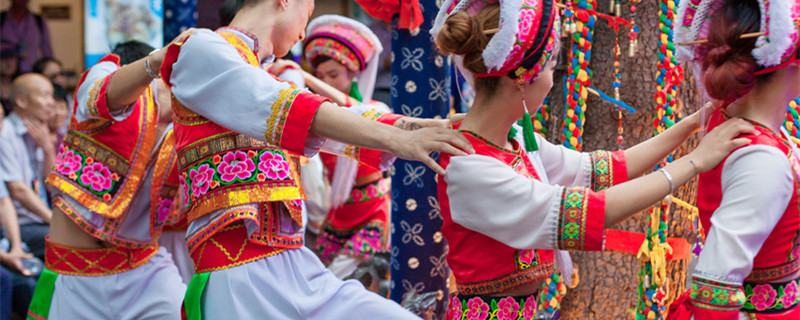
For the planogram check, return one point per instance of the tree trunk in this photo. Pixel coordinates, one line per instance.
(608, 280)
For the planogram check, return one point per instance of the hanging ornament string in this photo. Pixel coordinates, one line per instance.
(579, 75)
(633, 34)
(793, 118)
(653, 278)
(541, 117)
(617, 81)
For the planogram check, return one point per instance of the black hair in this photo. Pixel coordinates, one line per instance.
(131, 51)
(39, 65)
(228, 10)
(59, 93)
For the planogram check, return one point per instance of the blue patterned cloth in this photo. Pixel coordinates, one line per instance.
(420, 87)
(179, 15)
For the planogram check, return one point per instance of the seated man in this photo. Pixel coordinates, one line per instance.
(27, 153)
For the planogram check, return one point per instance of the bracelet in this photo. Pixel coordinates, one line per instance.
(693, 166)
(147, 68)
(669, 178)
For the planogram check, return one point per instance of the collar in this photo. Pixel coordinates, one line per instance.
(17, 124)
(247, 37)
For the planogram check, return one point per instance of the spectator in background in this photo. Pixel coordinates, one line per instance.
(21, 27)
(27, 154)
(52, 69)
(383, 81)
(16, 282)
(9, 68)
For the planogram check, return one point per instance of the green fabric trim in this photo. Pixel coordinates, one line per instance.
(192, 301)
(527, 133)
(354, 93)
(43, 295)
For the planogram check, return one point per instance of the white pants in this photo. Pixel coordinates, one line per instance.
(175, 243)
(152, 291)
(292, 285)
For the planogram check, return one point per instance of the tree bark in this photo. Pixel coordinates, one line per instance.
(608, 280)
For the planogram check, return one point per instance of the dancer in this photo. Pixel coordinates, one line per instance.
(113, 195)
(240, 188)
(750, 263)
(509, 206)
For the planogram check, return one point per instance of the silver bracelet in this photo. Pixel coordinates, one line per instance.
(669, 178)
(147, 69)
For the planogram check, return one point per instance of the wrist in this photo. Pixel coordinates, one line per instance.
(152, 64)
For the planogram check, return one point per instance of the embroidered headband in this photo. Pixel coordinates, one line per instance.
(775, 48)
(525, 40)
(349, 42)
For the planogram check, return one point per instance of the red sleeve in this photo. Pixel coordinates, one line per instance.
(294, 123)
(98, 101)
(581, 220)
(608, 169)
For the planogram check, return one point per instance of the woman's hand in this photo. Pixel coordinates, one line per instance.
(720, 142)
(417, 145)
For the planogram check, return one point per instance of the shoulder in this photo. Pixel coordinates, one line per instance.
(758, 165)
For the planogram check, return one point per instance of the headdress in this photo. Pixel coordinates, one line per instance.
(775, 48)
(349, 42)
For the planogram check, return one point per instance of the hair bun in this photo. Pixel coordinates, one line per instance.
(718, 55)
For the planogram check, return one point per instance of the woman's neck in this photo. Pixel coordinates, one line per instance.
(492, 117)
(766, 103)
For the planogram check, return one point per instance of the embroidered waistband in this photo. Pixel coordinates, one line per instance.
(371, 191)
(490, 307)
(536, 273)
(68, 260)
(772, 273)
(771, 297)
(229, 247)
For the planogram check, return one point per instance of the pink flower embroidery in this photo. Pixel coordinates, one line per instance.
(185, 193)
(790, 294)
(372, 191)
(97, 176)
(526, 18)
(508, 309)
(68, 163)
(796, 252)
(274, 166)
(477, 309)
(454, 309)
(526, 256)
(201, 179)
(763, 297)
(163, 210)
(235, 165)
(356, 195)
(529, 310)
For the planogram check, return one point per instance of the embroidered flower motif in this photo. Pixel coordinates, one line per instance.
(790, 294)
(796, 252)
(235, 165)
(763, 296)
(529, 310)
(477, 309)
(163, 211)
(372, 191)
(356, 195)
(201, 179)
(508, 309)
(526, 256)
(454, 309)
(97, 176)
(185, 193)
(274, 166)
(68, 163)
(526, 18)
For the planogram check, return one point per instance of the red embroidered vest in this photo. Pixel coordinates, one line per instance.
(481, 264)
(220, 168)
(165, 210)
(780, 254)
(102, 161)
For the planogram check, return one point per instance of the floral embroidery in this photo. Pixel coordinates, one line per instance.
(773, 297)
(369, 192)
(97, 176)
(164, 208)
(359, 242)
(235, 165)
(492, 308)
(454, 309)
(274, 166)
(201, 179)
(185, 192)
(526, 258)
(763, 297)
(68, 163)
(477, 309)
(715, 295)
(508, 309)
